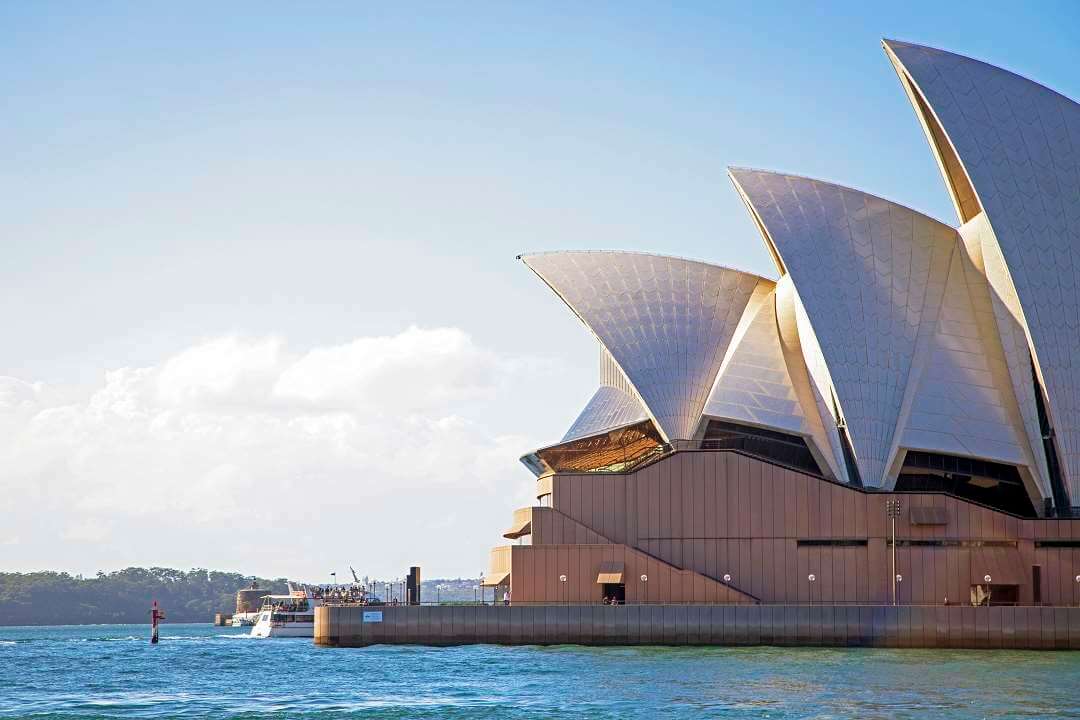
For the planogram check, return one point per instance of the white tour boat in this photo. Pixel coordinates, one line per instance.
(291, 615)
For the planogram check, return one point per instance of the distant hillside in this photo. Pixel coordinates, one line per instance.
(124, 596)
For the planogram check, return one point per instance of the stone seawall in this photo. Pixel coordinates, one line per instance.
(956, 626)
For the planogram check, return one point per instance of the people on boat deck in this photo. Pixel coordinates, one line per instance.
(338, 594)
(332, 594)
(300, 606)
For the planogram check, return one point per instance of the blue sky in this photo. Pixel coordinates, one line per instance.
(177, 178)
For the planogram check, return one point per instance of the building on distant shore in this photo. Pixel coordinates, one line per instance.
(750, 438)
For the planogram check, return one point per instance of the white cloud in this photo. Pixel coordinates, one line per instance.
(239, 453)
(225, 371)
(17, 394)
(415, 370)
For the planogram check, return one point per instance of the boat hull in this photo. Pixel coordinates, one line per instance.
(266, 630)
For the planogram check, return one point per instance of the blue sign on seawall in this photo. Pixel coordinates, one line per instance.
(373, 616)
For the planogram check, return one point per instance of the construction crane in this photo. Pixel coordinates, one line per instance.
(355, 579)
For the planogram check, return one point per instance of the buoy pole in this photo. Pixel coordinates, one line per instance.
(156, 615)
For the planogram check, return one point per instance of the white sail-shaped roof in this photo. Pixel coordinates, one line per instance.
(868, 273)
(1010, 148)
(609, 408)
(997, 309)
(613, 405)
(963, 402)
(810, 374)
(756, 387)
(667, 322)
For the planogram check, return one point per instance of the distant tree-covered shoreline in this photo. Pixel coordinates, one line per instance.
(124, 596)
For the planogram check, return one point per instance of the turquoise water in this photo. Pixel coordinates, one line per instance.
(201, 671)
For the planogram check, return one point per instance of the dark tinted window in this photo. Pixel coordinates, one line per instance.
(781, 448)
(988, 483)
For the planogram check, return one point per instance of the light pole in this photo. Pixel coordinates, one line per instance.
(645, 587)
(482, 601)
(892, 509)
(474, 589)
(988, 580)
(899, 579)
(562, 584)
(810, 587)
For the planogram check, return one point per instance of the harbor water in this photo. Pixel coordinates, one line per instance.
(201, 671)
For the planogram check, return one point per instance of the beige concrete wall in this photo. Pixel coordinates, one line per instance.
(1036, 628)
(498, 563)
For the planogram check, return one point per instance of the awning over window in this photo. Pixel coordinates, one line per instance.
(496, 580)
(519, 530)
(1002, 564)
(611, 573)
(522, 524)
(929, 516)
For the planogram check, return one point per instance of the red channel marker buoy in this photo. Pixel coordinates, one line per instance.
(156, 615)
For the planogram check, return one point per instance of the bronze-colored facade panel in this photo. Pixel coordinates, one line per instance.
(688, 520)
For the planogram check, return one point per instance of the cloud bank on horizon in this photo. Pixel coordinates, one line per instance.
(242, 453)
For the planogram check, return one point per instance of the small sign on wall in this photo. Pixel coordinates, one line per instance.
(372, 616)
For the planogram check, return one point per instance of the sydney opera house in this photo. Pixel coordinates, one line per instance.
(897, 412)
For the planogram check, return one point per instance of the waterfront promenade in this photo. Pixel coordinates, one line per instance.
(905, 626)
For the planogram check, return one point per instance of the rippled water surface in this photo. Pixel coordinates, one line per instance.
(203, 671)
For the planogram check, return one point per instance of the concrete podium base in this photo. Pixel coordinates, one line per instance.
(922, 626)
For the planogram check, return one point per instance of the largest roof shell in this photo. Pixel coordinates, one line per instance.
(1010, 147)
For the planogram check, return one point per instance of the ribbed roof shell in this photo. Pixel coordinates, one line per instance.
(868, 272)
(667, 322)
(1012, 147)
(609, 408)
